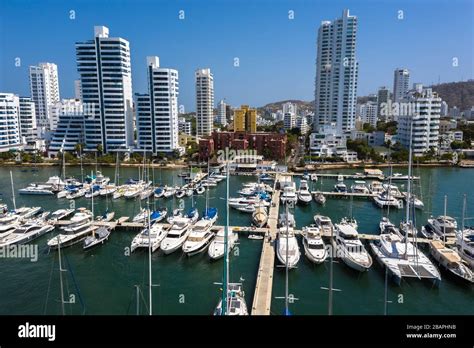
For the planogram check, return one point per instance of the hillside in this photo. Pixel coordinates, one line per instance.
(460, 94)
(275, 106)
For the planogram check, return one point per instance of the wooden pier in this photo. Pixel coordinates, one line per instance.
(262, 297)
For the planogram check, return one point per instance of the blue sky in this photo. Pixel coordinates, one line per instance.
(277, 55)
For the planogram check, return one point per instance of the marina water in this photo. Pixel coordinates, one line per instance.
(103, 279)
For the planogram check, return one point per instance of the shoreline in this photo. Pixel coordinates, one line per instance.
(310, 167)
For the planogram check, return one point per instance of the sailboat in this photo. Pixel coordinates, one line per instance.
(400, 257)
(232, 301)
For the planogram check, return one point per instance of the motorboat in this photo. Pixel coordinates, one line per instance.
(98, 237)
(376, 188)
(27, 212)
(386, 226)
(340, 186)
(408, 229)
(199, 238)
(319, 198)
(149, 238)
(177, 235)
(350, 248)
(235, 301)
(169, 192)
(250, 208)
(304, 196)
(314, 177)
(76, 193)
(314, 247)
(177, 213)
(442, 226)
(133, 191)
(289, 194)
(350, 221)
(325, 225)
(216, 249)
(61, 214)
(415, 201)
(359, 187)
(393, 190)
(288, 252)
(74, 234)
(451, 261)
(83, 215)
(93, 191)
(36, 189)
(26, 233)
(260, 216)
(385, 200)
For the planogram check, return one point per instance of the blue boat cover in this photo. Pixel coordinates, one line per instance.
(210, 213)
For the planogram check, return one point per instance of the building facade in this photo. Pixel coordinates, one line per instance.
(289, 120)
(401, 84)
(336, 73)
(103, 64)
(184, 126)
(10, 137)
(222, 113)
(424, 121)
(69, 131)
(204, 102)
(368, 113)
(44, 89)
(27, 119)
(245, 119)
(157, 111)
(383, 98)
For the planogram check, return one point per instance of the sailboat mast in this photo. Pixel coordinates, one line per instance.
(13, 191)
(286, 263)
(148, 216)
(444, 223)
(331, 275)
(225, 281)
(462, 221)
(92, 201)
(61, 277)
(409, 178)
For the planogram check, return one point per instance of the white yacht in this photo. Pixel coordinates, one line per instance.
(359, 187)
(325, 225)
(61, 214)
(386, 226)
(26, 233)
(260, 216)
(236, 302)
(119, 192)
(375, 187)
(304, 196)
(392, 189)
(74, 234)
(289, 194)
(133, 191)
(36, 189)
(319, 198)
(415, 201)
(403, 259)
(385, 200)
(82, 216)
(442, 226)
(340, 186)
(27, 212)
(177, 235)
(149, 236)
(199, 238)
(350, 248)
(108, 190)
(216, 248)
(288, 252)
(287, 220)
(314, 247)
(169, 192)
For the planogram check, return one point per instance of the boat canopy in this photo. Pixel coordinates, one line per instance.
(210, 213)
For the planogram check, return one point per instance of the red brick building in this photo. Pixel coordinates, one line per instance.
(269, 145)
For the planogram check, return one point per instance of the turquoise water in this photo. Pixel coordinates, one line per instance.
(105, 277)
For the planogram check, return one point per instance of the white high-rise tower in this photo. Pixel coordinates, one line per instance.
(401, 84)
(204, 102)
(44, 88)
(106, 85)
(336, 74)
(157, 111)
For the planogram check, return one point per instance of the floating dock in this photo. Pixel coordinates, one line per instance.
(262, 298)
